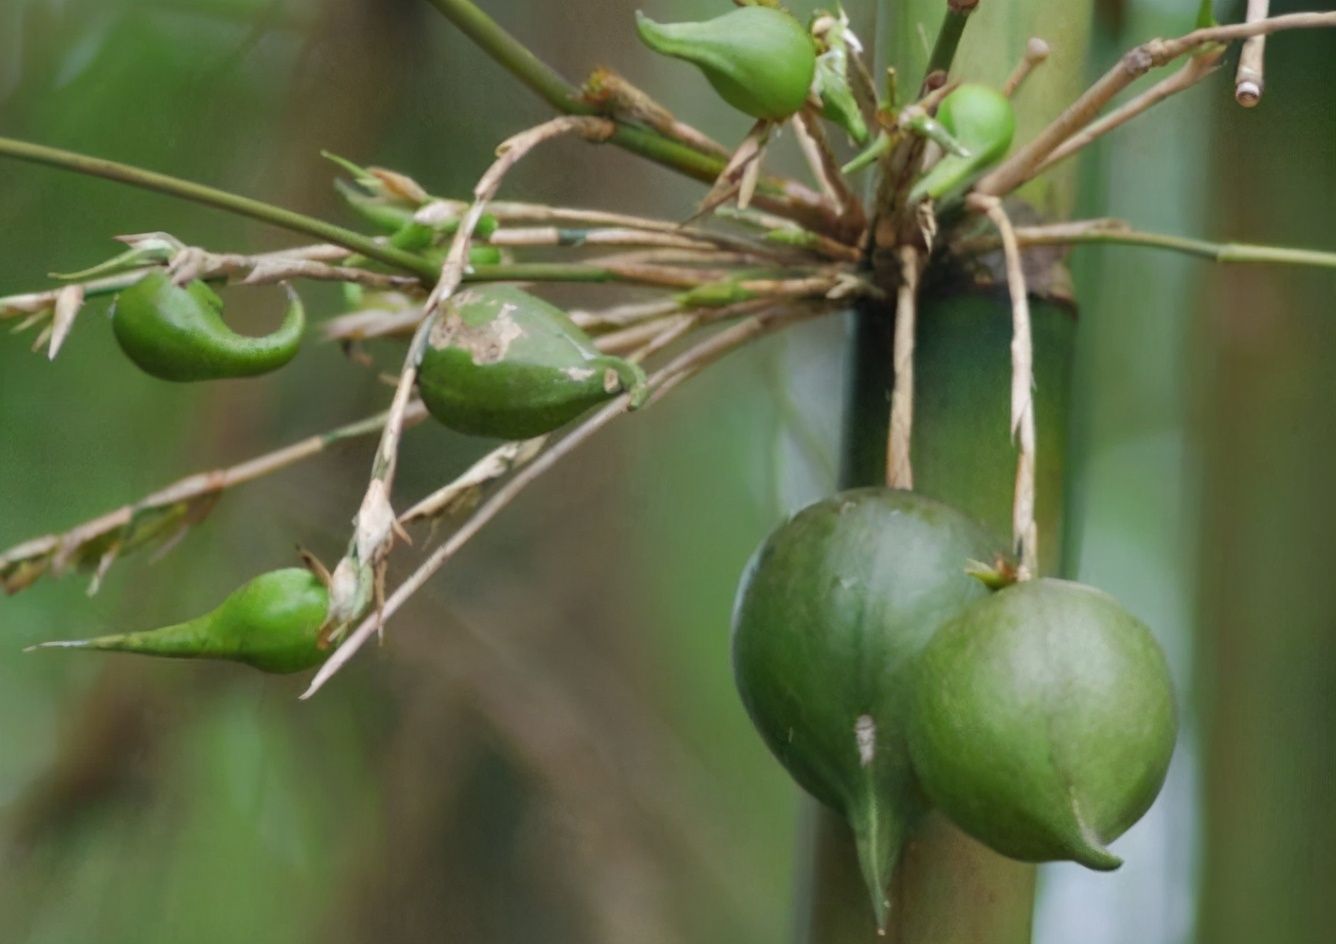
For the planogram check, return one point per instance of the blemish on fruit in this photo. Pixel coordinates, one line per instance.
(865, 736)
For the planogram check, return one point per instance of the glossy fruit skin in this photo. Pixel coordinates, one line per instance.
(830, 614)
(980, 118)
(271, 623)
(507, 364)
(177, 333)
(760, 60)
(1043, 721)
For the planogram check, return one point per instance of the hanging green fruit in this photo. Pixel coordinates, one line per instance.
(830, 614)
(178, 334)
(1043, 721)
(983, 121)
(271, 623)
(504, 363)
(759, 59)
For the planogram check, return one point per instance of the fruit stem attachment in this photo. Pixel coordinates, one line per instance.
(1024, 531)
(899, 468)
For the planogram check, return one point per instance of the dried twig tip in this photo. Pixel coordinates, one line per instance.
(1036, 51)
(1249, 79)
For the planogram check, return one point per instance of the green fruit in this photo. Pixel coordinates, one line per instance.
(830, 614)
(760, 60)
(504, 363)
(178, 334)
(1043, 721)
(271, 623)
(983, 121)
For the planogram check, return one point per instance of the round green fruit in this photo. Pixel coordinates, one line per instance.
(831, 612)
(504, 363)
(1043, 721)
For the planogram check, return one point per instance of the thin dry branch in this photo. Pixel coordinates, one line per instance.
(1192, 72)
(1022, 165)
(899, 468)
(162, 515)
(1250, 79)
(1025, 533)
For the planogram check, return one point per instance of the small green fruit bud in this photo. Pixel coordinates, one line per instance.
(504, 363)
(178, 334)
(760, 60)
(1043, 721)
(271, 623)
(983, 121)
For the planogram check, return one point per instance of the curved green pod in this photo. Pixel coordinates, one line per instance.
(759, 59)
(983, 121)
(1043, 721)
(830, 614)
(271, 623)
(177, 333)
(504, 363)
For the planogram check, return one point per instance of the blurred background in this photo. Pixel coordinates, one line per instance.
(548, 746)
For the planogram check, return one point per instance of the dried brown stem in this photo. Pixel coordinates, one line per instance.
(816, 148)
(1036, 52)
(56, 553)
(1192, 72)
(1022, 165)
(899, 468)
(1025, 532)
(1250, 79)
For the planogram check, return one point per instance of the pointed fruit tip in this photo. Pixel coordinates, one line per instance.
(61, 644)
(1097, 857)
(1088, 848)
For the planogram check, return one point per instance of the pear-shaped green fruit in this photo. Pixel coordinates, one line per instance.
(504, 363)
(272, 623)
(983, 121)
(830, 614)
(1043, 721)
(178, 334)
(760, 60)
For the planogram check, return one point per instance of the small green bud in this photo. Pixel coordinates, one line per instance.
(507, 364)
(982, 120)
(272, 623)
(715, 294)
(178, 334)
(760, 60)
